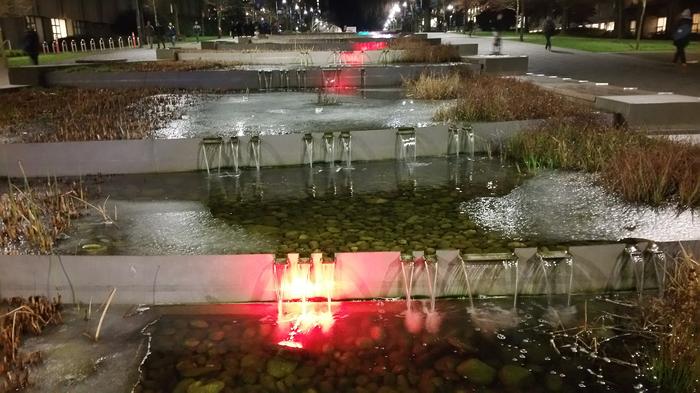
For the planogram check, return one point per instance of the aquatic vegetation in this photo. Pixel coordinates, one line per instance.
(421, 51)
(640, 168)
(435, 87)
(19, 317)
(157, 66)
(493, 98)
(32, 219)
(673, 320)
(60, 115)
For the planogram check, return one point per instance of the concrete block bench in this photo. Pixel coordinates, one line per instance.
(500, 64)
(668, 111)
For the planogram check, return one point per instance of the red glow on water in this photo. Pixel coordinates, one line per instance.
(368, 46)
(304, 299)
(353, 58)
(290, 344)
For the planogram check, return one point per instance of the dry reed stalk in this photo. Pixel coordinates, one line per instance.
(20, 317)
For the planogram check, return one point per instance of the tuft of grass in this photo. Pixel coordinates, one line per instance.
(420, 51)
(673, 319)
(493, 98)
(19, 317)
(31, 219)
(435, 87)
(640, 168)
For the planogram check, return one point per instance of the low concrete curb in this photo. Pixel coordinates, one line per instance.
(182, 155)
(245, 278)
(242, 79)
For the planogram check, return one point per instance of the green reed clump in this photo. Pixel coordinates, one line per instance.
(640, 168)
(493, 98)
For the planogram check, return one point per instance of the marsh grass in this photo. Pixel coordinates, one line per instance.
(493, 98)
(420, 51)
(157, 66)
(32, 219)
(435, 87)
(640, 168)
(675, 321)
(60, 115)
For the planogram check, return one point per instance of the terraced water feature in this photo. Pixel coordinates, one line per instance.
(438, 203)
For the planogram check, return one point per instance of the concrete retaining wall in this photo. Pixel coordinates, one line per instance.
(181, 155)
(243, 278)
(311, 77)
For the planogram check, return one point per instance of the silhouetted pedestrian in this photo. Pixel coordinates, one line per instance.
(549, 30)
(150, 31)
(160, 36)
(31, 45)
(470, 27)
(197, 30)
(172, 34)
(681, 37)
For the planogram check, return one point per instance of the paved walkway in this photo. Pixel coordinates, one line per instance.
(653, 72)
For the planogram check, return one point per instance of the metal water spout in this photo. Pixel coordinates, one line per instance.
(329, 148)
(406, 145)
(657, 257)
(255, 142)
(454, 144)
(469, 143)
(235, 146)
(408, 263)
(636, 258)
(346, 152)
(551, 261)
(430, 262)
(211, 145)
(308, 149)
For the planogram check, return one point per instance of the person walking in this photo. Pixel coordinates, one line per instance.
(150, 31)
(172, 33)
(160, 36)
(549, 30)
(681, 36)
(197, 30)
(31, 45)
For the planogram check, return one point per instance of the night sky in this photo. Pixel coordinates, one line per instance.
(365, 14)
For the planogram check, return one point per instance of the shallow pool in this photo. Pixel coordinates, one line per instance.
(297, 112)
(391, 346)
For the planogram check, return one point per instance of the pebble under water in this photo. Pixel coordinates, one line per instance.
(381, 346)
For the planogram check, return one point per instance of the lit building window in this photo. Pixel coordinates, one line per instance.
(696, 23)
(30, 21)
(610, 26)
(661, 25)
(633, 26)
(58, 27)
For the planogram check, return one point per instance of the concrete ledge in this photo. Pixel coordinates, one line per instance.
(245, 278)
(182, 155)
(467, 49)
(502, 65)
(654, 110)
(242, 79)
